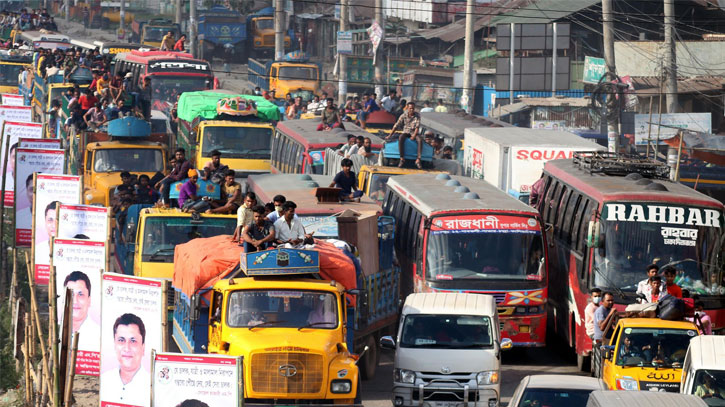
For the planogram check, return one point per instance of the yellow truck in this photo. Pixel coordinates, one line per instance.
(261, 33)
(296, 77)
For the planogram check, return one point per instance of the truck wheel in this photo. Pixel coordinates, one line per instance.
(370, 359)
(583, 363)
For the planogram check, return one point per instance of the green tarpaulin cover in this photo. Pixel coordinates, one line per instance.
(204, 104)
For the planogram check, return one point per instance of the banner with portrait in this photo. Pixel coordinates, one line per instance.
(83, 222)
(132, 314)
(14, 131)
(78, 265)
(50, 191)
(27, 162)
(199, 380)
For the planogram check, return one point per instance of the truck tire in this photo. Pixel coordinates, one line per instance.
(370, 360)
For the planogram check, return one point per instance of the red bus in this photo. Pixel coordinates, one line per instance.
(172, 74)
(461, 234)
(641, 218)
(298, 148)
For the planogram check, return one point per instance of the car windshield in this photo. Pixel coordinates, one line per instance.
(653, 346)
(446, 331)
(265, 23)
(485, 247)
(709, 385)
(378, 186)
(554, 398)
(162, 234)
(282, 309)
(632, 241)
(168, 88)
(237, 142)
(9, 74)
(299, 73)
(128, 159)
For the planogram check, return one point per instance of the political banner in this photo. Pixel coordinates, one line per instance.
(41, 143)
(668, 125)
(132, 313)
(212, 380)
(83, 222)
(50, 190)
(14, 131)
(16, 113)
(78, 265)
(27, 162)
(10, 99)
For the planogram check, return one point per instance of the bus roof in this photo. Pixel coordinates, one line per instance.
(305, 132)
(453, 124)
(148, 56)
(603, 187)
(12, 55)
(301, 190)
(707, 352)
(431, 194)
(44, 36)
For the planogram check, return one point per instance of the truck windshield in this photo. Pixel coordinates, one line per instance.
(554, 398)
(709, 384)
(636, 235)
(265, 24)
(378, 186)
(128, 159)
(237, 142)
(157, 33)
(163, 233)
(9, 74)
(485, 247)
(282, 309)
(297, 73)
(446, 331)
(168, 88)
(653, 346)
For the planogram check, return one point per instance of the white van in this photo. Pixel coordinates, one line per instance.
(609, 398)
(447, 352)
(703, 371)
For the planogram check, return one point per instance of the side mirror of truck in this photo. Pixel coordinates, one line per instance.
(387, 342)
(593, 234)
(354, 291)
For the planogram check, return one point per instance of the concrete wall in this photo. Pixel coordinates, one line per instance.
(694, 58)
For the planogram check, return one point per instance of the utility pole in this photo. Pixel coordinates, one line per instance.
(671, 64)
(612, 117)
(279, 18)
(379, 55)
(466, 99)
(512, 66)
(179, 6)
(122, 19)
(193, 29)
(344, 26)
(554, 61)
(67, 11)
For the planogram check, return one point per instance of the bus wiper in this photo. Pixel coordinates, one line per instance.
(265, 323)
(609, 282)
(159, 253)
(310, 325)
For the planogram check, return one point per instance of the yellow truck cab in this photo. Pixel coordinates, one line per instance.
(296, 77)
(646, 354)
(373, 179)
(262, 30)
(12, 63)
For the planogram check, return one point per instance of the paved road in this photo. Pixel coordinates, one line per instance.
(517, 363)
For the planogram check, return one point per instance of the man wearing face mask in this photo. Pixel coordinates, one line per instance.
(596, 296)
(278, 201)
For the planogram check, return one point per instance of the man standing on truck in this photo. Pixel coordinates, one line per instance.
(258, 235)
(179, 173)
(168, 42)
(145, 94)
(409, 123)
(231, 196)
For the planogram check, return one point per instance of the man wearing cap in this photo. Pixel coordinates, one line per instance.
(188, 200)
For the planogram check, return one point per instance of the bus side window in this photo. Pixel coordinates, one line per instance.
(552, 203)
(413, 230)
(277, 155)
(561, 209)
(568, 227)
(285, 154)
(588, 208)
(300, 160)
(546, 202)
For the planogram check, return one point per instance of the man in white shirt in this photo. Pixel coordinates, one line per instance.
(643, 287)
(245, 215)
(89, 332)
(129, 385)
(389, 102)
(596, 295)
(289, 229)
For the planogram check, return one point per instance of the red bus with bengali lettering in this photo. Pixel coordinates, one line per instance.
(465, 235)
(611, 217)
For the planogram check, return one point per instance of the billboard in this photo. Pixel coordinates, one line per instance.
(16, 113)
(131, 320)
(41, 143)
(14, 131)
(78, 265)
(50, 190)
(83, 222)
(670, 124)
(27, 162)
(212, 380)
(12, 99)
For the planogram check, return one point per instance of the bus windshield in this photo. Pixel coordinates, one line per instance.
(168, 88)
(128, 159)
(636, 235)
(485, 247)
(237, 142)
(446, 331)
(9, 74)
(282, 309)
(653, 346)
(163, 233)
(299, 73)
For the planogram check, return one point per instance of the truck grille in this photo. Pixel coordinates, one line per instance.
(268, 40)
(281, 372)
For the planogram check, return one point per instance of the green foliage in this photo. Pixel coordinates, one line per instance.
(9, 378)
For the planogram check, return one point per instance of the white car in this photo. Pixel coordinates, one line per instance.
(555, 391)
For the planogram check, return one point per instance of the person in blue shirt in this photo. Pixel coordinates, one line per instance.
(346, 180)
(371, 105)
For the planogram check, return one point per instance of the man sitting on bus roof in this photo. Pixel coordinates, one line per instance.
(231, 196)
(214, 170)
(330, 117)
(346, 180)
(278, 203)
(259, 234)
(288, 228)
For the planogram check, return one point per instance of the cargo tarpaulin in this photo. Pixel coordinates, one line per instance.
(204, 104)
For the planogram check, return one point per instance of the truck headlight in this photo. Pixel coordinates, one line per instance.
(487, 377)
(627, 383)
(340, 386)
(404, 376)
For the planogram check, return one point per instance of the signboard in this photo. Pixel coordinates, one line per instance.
(203, 188)
(78, 265)
(14, 131)
(528, 162)
(280, 261)
(375, 31)
(548, 124)
(594, 69)
(83, 222)
(40, 143)
(213, 380)
(671, 123)
(15, 113)
(9, 99)
(178, 66)
(344, 42)
(321, 226)
(50, 190)
(27, 162)
(485, 224)
(476, 164)
(131, 319)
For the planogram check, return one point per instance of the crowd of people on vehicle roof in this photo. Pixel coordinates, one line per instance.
(34, 19)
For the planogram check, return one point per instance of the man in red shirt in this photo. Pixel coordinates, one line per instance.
(672, 288)
(87, 100)
(179, 46)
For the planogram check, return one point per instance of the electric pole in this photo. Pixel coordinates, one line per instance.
(179, 6)
(379, 53)
(344, 26)
(122, 20)
(466, 99)
(612, 116)
(279, 18)
(67, 11)
(193, 29)
(671, 64)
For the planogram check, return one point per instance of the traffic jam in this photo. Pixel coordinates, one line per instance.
(189, 245)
